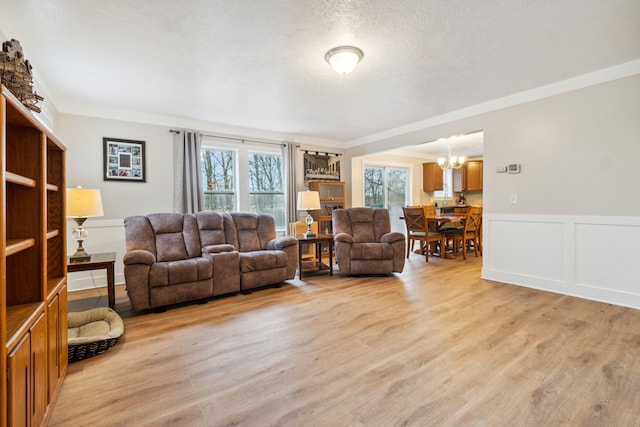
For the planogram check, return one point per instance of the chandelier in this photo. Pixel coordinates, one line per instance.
(451, 162)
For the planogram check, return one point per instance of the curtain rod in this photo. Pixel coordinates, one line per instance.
(280, 144)
(321, 152)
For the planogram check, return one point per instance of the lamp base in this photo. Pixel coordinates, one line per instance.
(80, 254)
(79, 257)
(308, 234)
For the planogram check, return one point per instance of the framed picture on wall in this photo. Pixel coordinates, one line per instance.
(321, 167)
(124, 160)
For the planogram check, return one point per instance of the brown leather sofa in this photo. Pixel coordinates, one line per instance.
(173, 258)
(364, 242)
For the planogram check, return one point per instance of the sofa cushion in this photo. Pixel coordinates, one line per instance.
(211, 228)
(181, 271)
(362, 224)
(262, 260)
(170, 244)
(372, 251)
(247, 230)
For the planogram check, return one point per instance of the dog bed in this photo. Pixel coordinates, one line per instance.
(92, 332)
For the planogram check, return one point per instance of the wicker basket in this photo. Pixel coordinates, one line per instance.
(93, 332)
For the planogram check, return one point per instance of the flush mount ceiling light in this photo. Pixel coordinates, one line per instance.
(343, 59)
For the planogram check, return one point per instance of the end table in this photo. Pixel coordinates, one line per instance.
(318, 265)
(98, 261)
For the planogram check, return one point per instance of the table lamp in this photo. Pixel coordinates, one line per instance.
(82, 203)
(308, 201)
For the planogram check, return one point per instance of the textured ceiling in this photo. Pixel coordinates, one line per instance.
(260, 64)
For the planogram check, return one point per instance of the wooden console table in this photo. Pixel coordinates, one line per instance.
(98, 261)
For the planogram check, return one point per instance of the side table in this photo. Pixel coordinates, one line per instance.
(98, 261)
(316, 265)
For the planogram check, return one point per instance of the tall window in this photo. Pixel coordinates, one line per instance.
(266, 187)
(242, 177)
(219, 179)
(387, 187)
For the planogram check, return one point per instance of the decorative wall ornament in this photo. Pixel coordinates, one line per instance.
(15, 74)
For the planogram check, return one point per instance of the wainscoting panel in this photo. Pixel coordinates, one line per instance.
(588, 257)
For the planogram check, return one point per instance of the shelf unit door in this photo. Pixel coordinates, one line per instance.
(19, 384)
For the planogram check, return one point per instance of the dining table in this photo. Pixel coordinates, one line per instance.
(440, 220)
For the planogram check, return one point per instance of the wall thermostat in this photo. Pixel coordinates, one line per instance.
(514, 168)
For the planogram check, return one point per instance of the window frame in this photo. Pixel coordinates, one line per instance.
(243, 151)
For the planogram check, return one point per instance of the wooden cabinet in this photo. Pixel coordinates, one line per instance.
(57, 357)
(32, 265)
(432, 177)
(468, 177)
(332, 196)
(27, 376)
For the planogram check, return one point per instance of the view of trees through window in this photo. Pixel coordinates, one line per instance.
(266, 187)
(265, 182)
(386, 187)
(218, 178)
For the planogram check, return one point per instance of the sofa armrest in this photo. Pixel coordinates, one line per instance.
(344, 238)
(282, 242)
(392, 237)
(217, 249)
(139, 256)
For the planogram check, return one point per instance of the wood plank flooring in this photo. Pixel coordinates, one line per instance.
(432, 346)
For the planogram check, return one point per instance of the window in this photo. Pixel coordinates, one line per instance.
(387, 187)
(266, 187)
(219, 179)
(447, 186)
(243, 177)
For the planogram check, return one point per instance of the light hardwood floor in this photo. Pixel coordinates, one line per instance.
(433, 346)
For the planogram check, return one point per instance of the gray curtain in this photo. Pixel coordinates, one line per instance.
(187, 176)
(289, 151)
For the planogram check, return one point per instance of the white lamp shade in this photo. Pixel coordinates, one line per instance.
(84, 203)
(308, 200)
(343, 59)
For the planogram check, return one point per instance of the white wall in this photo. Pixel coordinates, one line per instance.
(577, 219)
(83, 139)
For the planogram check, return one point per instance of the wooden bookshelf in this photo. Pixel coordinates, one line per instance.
(33, 288)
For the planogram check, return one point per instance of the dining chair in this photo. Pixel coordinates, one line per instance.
(418, 230)
(470, 233)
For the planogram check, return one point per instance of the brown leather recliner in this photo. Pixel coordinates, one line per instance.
(364, 242)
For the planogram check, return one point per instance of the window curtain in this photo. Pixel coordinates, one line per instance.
(187, 178)
(289, 151)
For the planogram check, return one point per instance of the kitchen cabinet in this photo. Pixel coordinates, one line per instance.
(432, 177)
(332, 196)
(468, 177)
